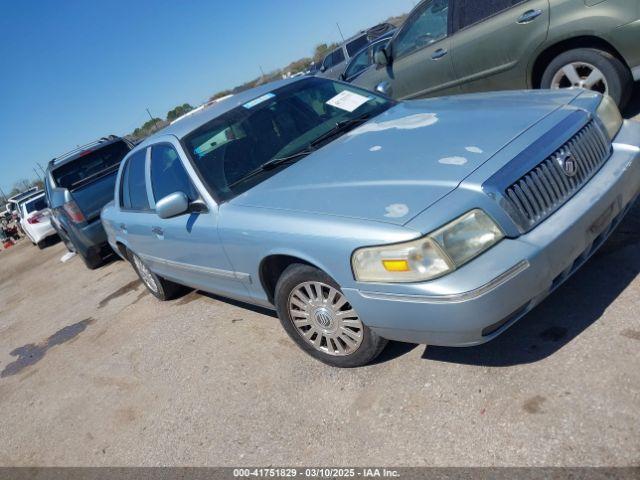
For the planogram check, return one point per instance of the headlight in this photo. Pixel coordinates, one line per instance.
(609, 116)
(429, 257)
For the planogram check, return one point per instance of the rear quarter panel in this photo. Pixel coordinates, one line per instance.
(108, 217)
(616, 21)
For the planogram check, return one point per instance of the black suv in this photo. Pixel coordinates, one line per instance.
(77, 185)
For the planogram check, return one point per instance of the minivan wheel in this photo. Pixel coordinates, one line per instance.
(67, 242)
(591, 69)
(161, 288)
(318, 317)
(91, 260)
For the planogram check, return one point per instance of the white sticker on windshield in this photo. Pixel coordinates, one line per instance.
(348, 101)
(259, 100)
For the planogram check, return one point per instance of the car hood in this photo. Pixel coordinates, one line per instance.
(398, 164)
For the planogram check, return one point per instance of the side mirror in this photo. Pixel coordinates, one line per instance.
(172, 205)
(382, 58)
(323, 69)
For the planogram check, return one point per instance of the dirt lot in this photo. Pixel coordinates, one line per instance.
(95, 371)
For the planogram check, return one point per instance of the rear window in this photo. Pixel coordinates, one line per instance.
(35, 205)
(90, 166)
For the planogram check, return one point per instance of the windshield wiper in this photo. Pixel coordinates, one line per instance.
(342, 127)
(274, 163)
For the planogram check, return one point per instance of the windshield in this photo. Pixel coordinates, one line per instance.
(90, 166)
(276, 125)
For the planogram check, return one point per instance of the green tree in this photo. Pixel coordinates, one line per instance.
(149, 127)
(322, 50)
(179, 111)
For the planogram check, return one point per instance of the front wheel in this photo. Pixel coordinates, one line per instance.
(592, 69)
(318, 317)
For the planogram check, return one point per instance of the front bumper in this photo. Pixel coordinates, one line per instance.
(485, 297)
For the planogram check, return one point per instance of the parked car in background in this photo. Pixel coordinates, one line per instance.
(12, 202)
(359, 218)
(35, 220)
(78, 184)
(459, 46)
(365, 57)
(334, 62)
(13, 205)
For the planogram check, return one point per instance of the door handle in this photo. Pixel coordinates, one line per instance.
(158, 231)
(439, 53)
(529, 16)
(123, 227)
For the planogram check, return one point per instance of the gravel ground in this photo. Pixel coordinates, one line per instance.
(95, 371)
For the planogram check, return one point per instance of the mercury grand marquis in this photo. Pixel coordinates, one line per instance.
(360, 219)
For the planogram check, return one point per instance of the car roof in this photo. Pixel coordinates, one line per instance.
(187, 125)
(22, 195)
(26, 198)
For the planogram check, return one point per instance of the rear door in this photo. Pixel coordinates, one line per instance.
(136, 214)
(186, 248)
(494, 41)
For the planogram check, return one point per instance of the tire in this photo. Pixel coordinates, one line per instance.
(159, 287)
(67, 242)
(91, 261)
(617, 77)
(332, 324)
(40, 244)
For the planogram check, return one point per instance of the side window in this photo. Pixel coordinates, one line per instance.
(359, 63)
(469, 12)
(133, 194)
(356, 45)
(376, 48)
(426, 26)
(337, 57)
(168, 174)
(327, 63)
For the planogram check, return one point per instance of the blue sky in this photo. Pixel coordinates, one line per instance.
(72, 71)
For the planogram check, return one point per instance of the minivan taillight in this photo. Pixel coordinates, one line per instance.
(73, 211)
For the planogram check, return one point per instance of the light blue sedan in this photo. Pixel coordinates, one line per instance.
(360, 219)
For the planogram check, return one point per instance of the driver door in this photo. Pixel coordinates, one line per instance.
(187, 248)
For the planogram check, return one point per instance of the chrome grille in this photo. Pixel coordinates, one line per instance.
(545, 188)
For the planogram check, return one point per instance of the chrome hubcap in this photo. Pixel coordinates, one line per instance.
(324, 318)
(145, 274)
(580, 74)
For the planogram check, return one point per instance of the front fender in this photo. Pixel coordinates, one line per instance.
(250, 235)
